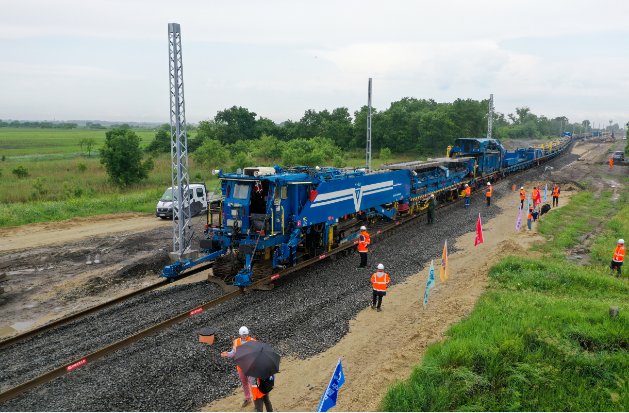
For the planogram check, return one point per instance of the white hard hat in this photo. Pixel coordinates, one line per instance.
(380, 267)
(466, 185)
(243, 331)
(363, 228)
(521, 187)
(621, 241)
(432, 196)
(488, 183)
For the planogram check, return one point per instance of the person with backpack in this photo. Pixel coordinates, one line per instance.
(260, 390)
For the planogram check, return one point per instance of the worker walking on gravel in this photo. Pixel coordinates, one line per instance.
(380, 280)
(468, 193)
(522, 197)
(244, 337)
(489, 192)
(432, 208)
(363, 247)
(619, 256)
(260, 399)
(556, 192)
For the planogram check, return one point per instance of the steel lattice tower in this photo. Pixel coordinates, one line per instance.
(178, 142)
(368, 154)
(490, 121)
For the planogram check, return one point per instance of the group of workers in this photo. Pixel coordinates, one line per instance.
(380, 280)
(532, 213)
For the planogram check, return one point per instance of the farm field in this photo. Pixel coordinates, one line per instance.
(23, 143)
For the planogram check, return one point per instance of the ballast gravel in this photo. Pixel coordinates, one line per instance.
(172, 371)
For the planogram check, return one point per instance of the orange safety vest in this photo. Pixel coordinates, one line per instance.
(556, 191)
(363, 245)
(238, 342)
(380, 281)
(619, 254)
(468, 191)
(530, 213)
(522, 195)
(255, 391)
(611, 162)
(489, 189)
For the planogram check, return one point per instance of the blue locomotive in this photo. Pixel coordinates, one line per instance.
(271, 217)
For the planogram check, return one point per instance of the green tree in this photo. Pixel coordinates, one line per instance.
(20, 172)
(89, 143)
(68, 126)
(38, 185)
(234, 124)
(385, 155)
(161, 143)
(241, 160)
(268, 147)
(122, 157)
(211, 154)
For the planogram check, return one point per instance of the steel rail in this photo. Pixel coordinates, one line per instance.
(72, 317)
(66, 368)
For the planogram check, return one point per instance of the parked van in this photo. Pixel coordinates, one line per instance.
(197, 195)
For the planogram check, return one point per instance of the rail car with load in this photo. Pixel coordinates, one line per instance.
(272, 217)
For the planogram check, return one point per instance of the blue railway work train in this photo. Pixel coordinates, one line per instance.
(273, 218)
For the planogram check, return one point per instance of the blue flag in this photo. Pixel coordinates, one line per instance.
(332, 391)
(545, 191)
(430, 283)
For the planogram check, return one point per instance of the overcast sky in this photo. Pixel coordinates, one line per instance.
(108, 60)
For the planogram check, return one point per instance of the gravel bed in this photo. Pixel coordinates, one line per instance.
(172, 371)
(42, 353)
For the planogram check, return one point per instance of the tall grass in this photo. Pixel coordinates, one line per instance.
(541, 339)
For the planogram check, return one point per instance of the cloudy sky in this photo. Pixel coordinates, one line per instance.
(108, 60)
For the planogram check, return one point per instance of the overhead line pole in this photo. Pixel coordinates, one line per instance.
(368, 154)
(491, 115)
(178, 144)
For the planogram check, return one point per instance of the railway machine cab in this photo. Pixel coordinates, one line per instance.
(488, 154)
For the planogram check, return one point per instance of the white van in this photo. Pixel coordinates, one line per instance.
(197, 194)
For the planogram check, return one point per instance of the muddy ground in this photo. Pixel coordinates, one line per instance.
(47, 277)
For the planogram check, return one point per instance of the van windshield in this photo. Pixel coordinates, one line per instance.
(168, 195)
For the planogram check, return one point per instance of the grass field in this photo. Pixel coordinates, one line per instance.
(541, 338)
(45, 143)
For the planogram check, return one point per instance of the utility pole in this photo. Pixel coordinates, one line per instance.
(368, 155)
(178, 146)
(491, 115)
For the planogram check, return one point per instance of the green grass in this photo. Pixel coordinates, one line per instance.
(20, 214)
(18, 142)
(541, 338)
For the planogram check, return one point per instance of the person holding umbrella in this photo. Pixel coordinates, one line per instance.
(244, 338)
(259, 362)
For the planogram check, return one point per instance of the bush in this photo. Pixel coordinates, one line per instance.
(339, 162)
(385, 154)
(81, 167)
(197, 176)
(20, 172)
(3, 158)
(241, 160)
(211, 154)
(38, 185)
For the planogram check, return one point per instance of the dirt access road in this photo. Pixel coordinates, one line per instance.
(48, 278)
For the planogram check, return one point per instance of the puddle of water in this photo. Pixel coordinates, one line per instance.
(23, 325)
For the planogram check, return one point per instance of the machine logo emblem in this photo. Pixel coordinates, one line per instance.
(358, 197)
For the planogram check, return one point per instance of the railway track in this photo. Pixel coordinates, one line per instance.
(380, 232)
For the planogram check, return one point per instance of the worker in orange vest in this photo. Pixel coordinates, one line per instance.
(619, 256)
(489, 191)
(258, 397)
(363, 247)
(522, 197)
(468, 193)
(611, 162)
(244, 337)
(380, 281)
(529, 219)
(556, 192)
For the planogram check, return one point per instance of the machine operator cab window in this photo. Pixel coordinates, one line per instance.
(241, 191)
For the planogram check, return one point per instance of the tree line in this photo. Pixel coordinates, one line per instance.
(42, 125)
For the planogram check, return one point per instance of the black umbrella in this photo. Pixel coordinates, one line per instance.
(257, 359)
